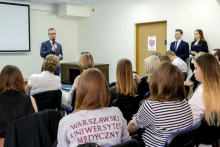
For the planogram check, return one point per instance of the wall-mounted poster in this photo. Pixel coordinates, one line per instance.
(151, 43)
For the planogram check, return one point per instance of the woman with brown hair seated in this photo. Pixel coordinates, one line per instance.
(167, 110)
(14, 103)
(125, 84)
(92, 120)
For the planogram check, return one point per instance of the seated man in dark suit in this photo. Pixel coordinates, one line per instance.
(180, 47)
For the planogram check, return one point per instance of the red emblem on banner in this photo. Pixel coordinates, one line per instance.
(151, 42)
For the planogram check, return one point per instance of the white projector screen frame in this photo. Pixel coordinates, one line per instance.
(14, 27)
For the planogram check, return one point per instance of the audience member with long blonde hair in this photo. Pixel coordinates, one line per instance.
(206, 99)
(191, 83)
(125, 84)
(167, 110)
(92, 120)
(151, 63)
(85, 62)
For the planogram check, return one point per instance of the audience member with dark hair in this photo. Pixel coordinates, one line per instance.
(198, 40)
(167, 110)
(151, 64)
(45, 81)
(164, 58)
(92, 121)
(217, 55)
(125, 84)
(156, 54)
(14, 103)
(214, 51)
(177, 61)
(206, 99)
(85, 62)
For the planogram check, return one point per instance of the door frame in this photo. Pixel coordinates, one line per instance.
(137, 25)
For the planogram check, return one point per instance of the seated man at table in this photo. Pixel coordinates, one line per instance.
(177, 61)
(45, 81)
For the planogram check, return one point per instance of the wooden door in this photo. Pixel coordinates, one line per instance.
(158, 29)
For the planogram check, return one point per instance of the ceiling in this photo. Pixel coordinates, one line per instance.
(82, 2)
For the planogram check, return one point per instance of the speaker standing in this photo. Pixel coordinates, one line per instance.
(52, 47)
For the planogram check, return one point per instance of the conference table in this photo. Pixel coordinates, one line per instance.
(69, 71)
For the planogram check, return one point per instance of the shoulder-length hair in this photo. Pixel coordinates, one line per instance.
(11, 78)
(166, 83)
(211, 92)
(92, 91)
(200, 33)
(86, 61)
(125, 81)
(51, 63)
(151, 64)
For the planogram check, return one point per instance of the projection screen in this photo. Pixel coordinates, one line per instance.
(14, 27)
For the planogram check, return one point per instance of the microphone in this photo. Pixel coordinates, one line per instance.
(53, 41)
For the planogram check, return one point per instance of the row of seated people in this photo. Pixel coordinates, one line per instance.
(166, 111)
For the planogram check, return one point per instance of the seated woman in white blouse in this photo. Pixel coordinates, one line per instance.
(167, 110)
(92, 120)
(206, 99)
(45, 81)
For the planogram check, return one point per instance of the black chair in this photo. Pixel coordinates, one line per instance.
(185, 75)
(127, 105)
(48, 100)
(35, 130)
(111, 84)
(183, 138)
(208, 135)
(73, 99)
(147, 95)
(128, 143)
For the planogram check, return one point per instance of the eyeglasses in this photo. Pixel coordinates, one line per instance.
(52, 33)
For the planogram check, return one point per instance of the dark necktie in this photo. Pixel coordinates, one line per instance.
(54, 50)
(176, 46)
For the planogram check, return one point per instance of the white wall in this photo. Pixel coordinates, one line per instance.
(40, 22)
(109, 33)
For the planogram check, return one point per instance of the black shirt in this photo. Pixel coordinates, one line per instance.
(13, 105)
(143, 87)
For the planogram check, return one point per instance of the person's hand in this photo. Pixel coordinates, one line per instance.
(191, 56)
(188, 83)
(54, 46)
(133, 116)
(137, 78)
(193, 52)
(60, 56)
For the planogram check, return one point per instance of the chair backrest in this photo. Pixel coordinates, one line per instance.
(48, 100)
(127, 105)
(185, 75)
(35, 130)
(182, 138)
(128, 143)
(147, 95)
(207, 134)
(112, 84)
